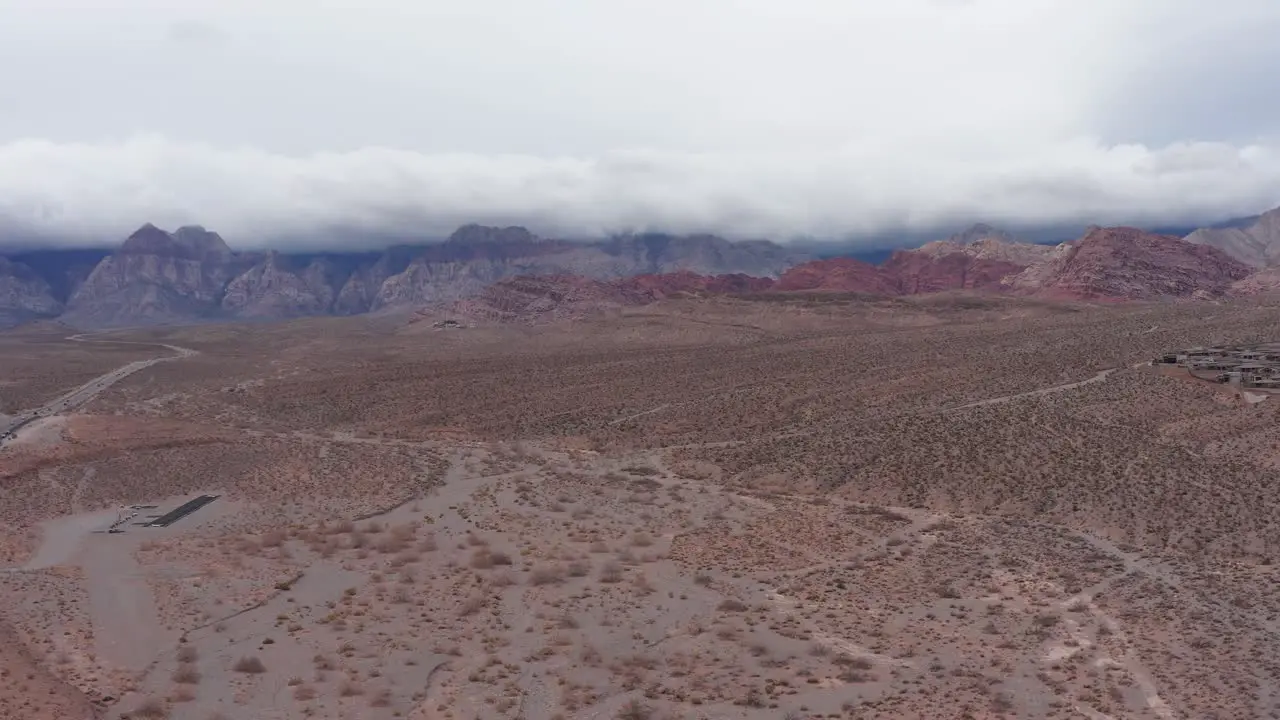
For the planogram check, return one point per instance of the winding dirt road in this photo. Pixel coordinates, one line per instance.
(88, 391)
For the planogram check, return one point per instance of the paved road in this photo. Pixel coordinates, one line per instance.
(79, 396)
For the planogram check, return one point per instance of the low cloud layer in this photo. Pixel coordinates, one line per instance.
(813, 118)
(98, 192)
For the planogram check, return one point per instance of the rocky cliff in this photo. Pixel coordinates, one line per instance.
(276, 287)
(155, 277)
(534, 299)
(1256, 245)
(1124, 263)
(24, 295)
(192, 275)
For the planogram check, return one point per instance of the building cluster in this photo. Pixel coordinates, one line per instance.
(1252, 367)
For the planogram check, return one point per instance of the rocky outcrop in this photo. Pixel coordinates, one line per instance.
(274, 288)
(475, 257)
(915, 273)
(979, 258)
(362, 286)
(1256, 245)
(536, 299)
(156, 277)
(24, 295)
(838, 275)
(1125, 263)
(657, 253)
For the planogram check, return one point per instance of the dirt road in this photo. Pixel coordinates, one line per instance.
(77, 397)
(1102, 375)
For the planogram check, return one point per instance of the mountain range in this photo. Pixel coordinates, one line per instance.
(193, 275)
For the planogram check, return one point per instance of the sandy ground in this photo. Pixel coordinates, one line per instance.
(679, 533)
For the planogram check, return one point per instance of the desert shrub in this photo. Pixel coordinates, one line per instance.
(546, 575)
(732, 605)
(186, 674)
(149, 709)
(1046, 620)
(187, 653)
(350, 689)
(611, 572)
(635, 710)
(249, 664)
(471, 606)
(182, 694)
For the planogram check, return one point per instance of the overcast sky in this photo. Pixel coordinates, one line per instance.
(825, 118)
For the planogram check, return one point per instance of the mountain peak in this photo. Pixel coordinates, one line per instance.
(473, 233)
(980, 231)
(191, 242)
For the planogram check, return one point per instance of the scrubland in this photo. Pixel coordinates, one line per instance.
(803, 507)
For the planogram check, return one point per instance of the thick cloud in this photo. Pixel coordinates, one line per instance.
(810, 118)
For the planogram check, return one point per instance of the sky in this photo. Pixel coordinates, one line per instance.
(828, 119)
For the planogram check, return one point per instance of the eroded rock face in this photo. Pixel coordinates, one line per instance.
(1256, 245)
(24, 295)
(474, 258)
(156, 277)
(838, 275)
(916, 273)
(532, 299)
(979, 258)
(1124, 263)
(275, 289)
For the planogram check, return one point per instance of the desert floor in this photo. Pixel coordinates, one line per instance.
(947, 507)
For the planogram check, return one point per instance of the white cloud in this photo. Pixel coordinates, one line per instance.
(812, 117)
(250, 195)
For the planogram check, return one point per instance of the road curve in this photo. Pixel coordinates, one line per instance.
(79, 396)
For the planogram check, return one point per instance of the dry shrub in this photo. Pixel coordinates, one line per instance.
(611, 572)
(641, 539)
(635, 710)
(732, 605)
(482, 559)
(187, 653)
(304, 692)
(350, 688)
(546, 575)
(186, 674)
(579, 568)
(182, 694)
(149, 709)
(249, 664)
(471, 606)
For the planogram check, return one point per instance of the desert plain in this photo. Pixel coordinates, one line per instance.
(799, 506)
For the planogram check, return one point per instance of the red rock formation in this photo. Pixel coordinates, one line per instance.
(529, 299)
(838, 275)
(916, 273)
(1125, 263)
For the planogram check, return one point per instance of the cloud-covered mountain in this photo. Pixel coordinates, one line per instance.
(192, 275)
(1254, 241)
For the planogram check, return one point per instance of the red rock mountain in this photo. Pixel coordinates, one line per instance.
(1124, 263)
(978, 259)
(838, 275)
